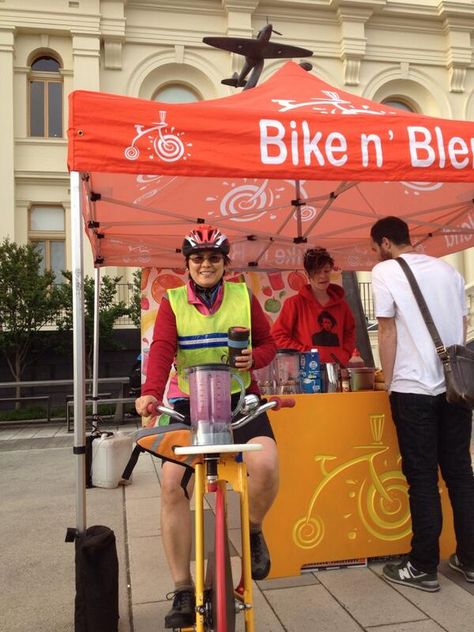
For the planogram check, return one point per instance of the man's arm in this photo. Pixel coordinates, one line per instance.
(387, 347)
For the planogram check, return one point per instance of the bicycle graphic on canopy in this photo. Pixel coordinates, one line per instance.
(381, 498)
(168, 147)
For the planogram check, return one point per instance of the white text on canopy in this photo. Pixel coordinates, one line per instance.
(299, 144)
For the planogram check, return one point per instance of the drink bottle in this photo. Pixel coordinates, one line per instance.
(310, 374)
(356, 360)
(237, 339)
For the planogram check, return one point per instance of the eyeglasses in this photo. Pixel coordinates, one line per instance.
(198, 259)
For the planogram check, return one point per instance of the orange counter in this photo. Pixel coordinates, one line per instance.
(342, 493)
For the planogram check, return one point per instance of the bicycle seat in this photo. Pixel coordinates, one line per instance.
(226, 448)
(161, 441)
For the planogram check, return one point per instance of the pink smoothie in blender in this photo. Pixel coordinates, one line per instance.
(210, 403)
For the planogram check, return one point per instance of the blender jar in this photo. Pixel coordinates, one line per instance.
(265, 379)
(210, 403)
(287, 372)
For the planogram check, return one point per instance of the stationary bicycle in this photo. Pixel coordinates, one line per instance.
(208, 446)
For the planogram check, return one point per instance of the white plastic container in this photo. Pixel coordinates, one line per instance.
(110, 455)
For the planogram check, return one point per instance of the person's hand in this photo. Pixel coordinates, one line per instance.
(244, 361)
(142, 403)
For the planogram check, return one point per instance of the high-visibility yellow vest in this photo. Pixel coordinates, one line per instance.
(202, 339)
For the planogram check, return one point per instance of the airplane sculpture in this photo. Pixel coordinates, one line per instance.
(255, 52)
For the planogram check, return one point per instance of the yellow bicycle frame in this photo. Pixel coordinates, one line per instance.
(234, 473)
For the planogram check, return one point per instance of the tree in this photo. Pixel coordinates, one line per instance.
(29, 300)
(110, 310)
(135, 306)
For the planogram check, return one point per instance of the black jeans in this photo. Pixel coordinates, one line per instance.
(432, 432)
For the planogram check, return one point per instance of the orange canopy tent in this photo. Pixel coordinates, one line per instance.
(291, 163)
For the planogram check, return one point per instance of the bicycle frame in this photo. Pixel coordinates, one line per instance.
(217, 469)
(233, 473)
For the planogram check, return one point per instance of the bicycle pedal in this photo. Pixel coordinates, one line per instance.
(238, 594)
(240, 605)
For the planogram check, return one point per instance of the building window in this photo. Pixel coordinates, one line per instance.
(176, 93)
(47, 233)
(396, 102)
(46, 98)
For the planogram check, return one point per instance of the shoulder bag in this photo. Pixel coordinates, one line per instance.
(457, 360)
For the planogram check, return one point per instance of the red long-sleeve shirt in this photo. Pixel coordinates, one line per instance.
(164, 345)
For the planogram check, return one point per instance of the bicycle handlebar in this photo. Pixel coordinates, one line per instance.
(153, 408)
(283, 403)
(274, 402)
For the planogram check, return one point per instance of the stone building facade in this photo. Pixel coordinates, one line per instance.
(418, 54)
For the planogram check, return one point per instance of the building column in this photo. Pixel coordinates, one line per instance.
(86, 61)
(7, 155)
(239, 24)
(86, 76)
(456, 259)
(353, 41)
(468, 260)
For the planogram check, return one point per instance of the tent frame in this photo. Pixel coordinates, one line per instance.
(79, 390)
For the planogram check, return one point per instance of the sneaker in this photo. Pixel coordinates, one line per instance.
(182, 613)
(456, 563)
(406, 574)
(260, 556)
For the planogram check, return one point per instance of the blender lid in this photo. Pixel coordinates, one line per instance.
(287, 351)
(208, 367)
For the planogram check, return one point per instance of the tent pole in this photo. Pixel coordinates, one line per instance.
(95, 360)
(297, 204)
(78, 351)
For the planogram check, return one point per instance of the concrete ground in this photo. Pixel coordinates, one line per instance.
(37, 572)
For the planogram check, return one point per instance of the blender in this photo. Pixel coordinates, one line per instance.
(265, 379)
(210, 403)
(287, 371)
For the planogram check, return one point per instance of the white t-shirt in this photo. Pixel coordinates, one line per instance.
(417, 366)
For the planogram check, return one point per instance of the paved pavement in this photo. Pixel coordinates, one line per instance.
(37, 571)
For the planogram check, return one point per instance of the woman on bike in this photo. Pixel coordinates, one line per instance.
(208, 304)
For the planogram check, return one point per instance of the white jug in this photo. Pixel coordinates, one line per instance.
(110, 455)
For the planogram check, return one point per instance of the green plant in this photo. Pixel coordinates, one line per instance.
(29, 300)
(110, 310)
(135, 309)
(21, 414)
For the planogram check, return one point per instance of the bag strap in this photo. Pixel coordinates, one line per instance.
(425, 312)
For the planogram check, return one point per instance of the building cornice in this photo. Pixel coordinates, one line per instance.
(25, 70)
(41, 178)
(240, 6)
(46, 142)
(458, 8)
(176, 6)
(313, 9)
(402, 53)
(44, 20)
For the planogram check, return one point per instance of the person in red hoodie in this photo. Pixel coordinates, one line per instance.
(318, 316)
